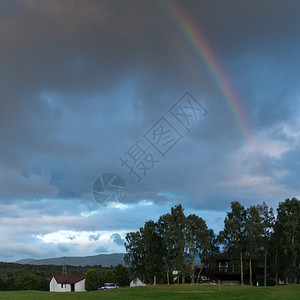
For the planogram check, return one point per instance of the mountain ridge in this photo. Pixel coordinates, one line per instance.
(105, 260)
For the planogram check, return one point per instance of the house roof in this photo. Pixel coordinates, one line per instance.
(222, 256)
(136, 279)
(68, 278)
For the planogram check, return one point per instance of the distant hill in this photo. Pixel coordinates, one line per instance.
(106, 260)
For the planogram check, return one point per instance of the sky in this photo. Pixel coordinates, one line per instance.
(191, 102)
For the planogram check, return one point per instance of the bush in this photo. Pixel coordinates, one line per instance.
(122, 274)
(91, 280)
(110, 276)
(271, 281)
(2, 285)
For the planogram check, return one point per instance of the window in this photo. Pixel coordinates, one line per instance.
(223, 266)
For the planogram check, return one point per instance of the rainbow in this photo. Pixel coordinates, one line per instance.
(201, 46)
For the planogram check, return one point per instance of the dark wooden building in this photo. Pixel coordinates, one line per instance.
(225, 270)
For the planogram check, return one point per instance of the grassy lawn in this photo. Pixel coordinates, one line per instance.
(168, 292)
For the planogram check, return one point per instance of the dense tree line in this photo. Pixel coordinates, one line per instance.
(250, 235)
(14, 276)
(9, 269)
(24, 280)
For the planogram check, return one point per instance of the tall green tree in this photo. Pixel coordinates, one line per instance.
(145, 252)
(197, 240)
(91, 280)
(267, 219)
(135, 253)
(178, 231)
(233, 235)
(212, 250)
(154, 251)
(287, 231)
(110, 276)
(172, 228)
(253, 235)
(122, 274)
(166, 233)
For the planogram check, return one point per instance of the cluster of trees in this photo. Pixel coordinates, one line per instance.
(249, 234)
(24, 280)
(172, 243)
(119, 274)
(15, 276)
(255, 234)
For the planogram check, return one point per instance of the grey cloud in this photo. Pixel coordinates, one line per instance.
(94, 237)
(15, 184)
(101, 249)
(17, 250)
(117, 239)
(63, 248)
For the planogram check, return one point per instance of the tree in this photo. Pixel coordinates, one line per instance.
(135, 253)
(2, 285)
(28, 281)
(268, 219)
(197, 241)
(253, 234)
(173, 232)
(110, 276)
(287, 231)
(164, 230)
(91, 280)
(122, 274)
(154, 250)
(208, 256)
(233, 235)
(178, 233)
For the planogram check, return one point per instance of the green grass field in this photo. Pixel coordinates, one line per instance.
(167, 292)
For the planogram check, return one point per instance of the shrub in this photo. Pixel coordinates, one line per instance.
(91, 280)
(271, 281)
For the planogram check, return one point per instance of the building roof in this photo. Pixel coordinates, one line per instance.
(68, 278)
(222, 256)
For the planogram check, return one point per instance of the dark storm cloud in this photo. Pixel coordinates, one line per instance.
(241, 26)
(61, 59)
(85, 47)
(81, 81)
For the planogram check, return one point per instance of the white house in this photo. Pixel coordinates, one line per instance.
(67, 283)
(136, 282)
